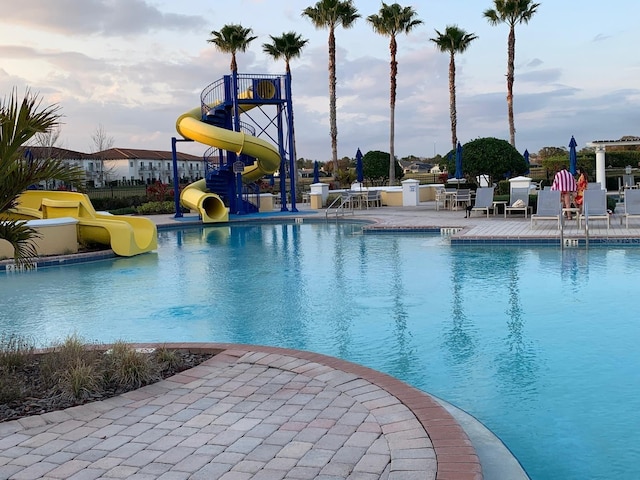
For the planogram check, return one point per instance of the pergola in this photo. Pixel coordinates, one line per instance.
(601, 146)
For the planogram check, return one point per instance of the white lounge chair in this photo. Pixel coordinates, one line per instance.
(631, 205)
(484, 200)
(548, 207)
(594, 207)
(520, 198)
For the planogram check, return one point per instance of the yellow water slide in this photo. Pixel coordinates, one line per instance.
(127, 236)
(195, 196)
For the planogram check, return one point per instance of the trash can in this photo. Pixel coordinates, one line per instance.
(410, 193)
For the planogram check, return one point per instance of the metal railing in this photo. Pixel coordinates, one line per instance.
(341, 205)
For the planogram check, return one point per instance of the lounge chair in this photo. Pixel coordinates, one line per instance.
(484, 200)
(594, 207)
(548, 207)
(518, 201)
(631, 205)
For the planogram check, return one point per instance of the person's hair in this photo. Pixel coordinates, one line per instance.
(584, 173)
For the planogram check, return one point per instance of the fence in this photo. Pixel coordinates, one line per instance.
(117, 192)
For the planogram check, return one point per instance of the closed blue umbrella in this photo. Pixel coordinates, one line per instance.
(359, 173)
(316, 173)
(459, 161)
(526, 159)
(573, 156)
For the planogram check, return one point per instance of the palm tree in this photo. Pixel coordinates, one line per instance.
(232, 38)
(330, 14)
(288, 45)
(19, 123)
(390, 21)
(453, 40)
(511, 12)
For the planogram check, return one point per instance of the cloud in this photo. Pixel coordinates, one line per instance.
(108, 18)
(601, 37)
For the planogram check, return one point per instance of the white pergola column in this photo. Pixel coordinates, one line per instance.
(600, 164)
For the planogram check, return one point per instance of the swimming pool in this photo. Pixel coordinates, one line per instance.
(540, 344)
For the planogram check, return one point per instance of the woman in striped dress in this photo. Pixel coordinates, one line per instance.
(564, 182)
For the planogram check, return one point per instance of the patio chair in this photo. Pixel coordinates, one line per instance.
(594, 207)
(548, 207)
(484, 200)
(373, 198)
(450, 198)
(518, 201)
(441, 198)
(631, 205)
(463, 196)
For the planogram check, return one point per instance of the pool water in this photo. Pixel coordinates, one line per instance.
(540, 344)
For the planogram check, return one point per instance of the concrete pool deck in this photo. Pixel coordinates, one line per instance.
(268, 413)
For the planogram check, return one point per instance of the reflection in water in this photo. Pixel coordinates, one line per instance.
(518, 365)
(340, 304)
(458, 338)
(404, 352)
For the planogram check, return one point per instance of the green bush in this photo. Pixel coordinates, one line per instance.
(115, 203)
(155, 208)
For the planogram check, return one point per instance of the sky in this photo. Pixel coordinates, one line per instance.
(133, 66)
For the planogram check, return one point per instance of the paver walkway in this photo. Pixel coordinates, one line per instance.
(248, 413)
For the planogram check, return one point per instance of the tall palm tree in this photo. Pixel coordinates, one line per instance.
(20, 121)
(232, 38)
(453, 40)
(511, 12)
(288, 45)
(331, 14)
(391, 21)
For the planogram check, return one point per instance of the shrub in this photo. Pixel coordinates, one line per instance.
(79, 380)
(14, 351)
(65, 357)
(168, 359)
(155, 208)
(159, 192)
(128, 368)
(110, 204)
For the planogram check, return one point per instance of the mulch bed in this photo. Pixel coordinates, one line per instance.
(42, 400)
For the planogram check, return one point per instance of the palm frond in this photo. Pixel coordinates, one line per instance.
(21, 237)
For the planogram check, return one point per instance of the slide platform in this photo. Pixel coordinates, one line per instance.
(127, 236)
(195, 196)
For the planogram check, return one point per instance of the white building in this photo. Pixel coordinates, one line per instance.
(125, 165)
(148, 166)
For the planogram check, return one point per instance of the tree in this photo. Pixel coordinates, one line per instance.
(511, 12)
(101, 142)
(548, 152)
(331, 14)
(391, 21)
(288, 45)
(232, 38)
(489, 156)
(375, 168)
(20, 121)
(453, 40)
